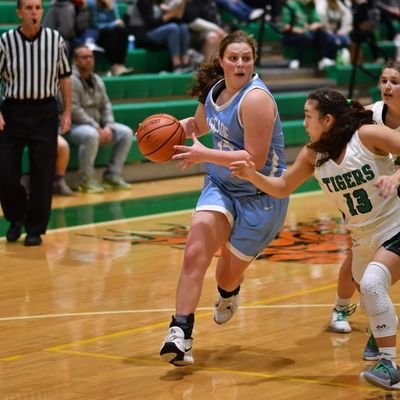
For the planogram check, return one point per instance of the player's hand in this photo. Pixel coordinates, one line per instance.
(244, 169)
(387, 185)
(190, 155)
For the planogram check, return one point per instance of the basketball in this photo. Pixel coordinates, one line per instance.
(157, 135)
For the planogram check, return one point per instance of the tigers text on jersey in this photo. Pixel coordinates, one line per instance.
(350, 185)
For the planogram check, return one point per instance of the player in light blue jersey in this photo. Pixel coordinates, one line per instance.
(231, 215)
(351, 158)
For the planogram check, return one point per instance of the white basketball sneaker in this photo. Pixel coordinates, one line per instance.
(176, 349)
(224, 308)
(339, 322)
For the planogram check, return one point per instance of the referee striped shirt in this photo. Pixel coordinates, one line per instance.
(31, 68)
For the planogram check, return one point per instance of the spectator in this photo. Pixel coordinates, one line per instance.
(242, 11)
(29, 117)
(61, 17)
(93, 125)
(108, 30)
(205, 25)
(302, 29)
(337, 19)
(69, 17)
(155, 26)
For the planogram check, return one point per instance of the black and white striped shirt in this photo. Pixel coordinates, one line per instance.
(31, 68)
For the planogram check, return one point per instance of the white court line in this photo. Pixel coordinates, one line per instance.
(159, 310)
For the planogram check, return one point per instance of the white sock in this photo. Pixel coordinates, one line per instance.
(342, 303)
(389, 353)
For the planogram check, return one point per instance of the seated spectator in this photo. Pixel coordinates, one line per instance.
(205, 24)
(159, 25)
(93, 125)
(108, 31)
(337, 19)
(302, 29)
(242, 11)
(69, 17)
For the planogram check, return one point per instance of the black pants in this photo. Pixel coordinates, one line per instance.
(32, 124)
(114, 41)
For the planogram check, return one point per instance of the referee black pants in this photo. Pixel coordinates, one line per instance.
(32, 124)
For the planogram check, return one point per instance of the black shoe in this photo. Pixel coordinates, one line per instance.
(14, 231)
(32, 240)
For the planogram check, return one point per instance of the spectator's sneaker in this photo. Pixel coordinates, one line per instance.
(371, 350)
(339, 322)
(383, 375)
(60, 187)
(115, 182)
(224, 308)
(294, 64)
(90, 186)
(176, 349)
(256, 14)
(325, 62)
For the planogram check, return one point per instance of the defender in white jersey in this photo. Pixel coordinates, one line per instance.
(351, 158)
(385, 112)
(231, 215)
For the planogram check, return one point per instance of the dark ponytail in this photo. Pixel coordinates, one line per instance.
(349, 116)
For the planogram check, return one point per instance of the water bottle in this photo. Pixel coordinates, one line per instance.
(131, 42)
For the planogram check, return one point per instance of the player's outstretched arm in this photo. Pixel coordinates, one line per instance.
(282, 186)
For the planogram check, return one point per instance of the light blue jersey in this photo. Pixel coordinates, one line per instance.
(255, 217)
(228, 134)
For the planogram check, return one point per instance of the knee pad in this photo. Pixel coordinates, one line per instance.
(373, 288)
(375, 300)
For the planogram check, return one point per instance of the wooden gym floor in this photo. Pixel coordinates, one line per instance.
(82, 317)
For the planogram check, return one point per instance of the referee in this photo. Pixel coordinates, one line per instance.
(34, 67)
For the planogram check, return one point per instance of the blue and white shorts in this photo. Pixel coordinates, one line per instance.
(255, 219)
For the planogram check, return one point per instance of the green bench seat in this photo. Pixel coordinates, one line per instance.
(342, 74)
(139, 86)
(142, 60)
(289, 104)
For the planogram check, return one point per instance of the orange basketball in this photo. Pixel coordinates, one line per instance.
(157, 135)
